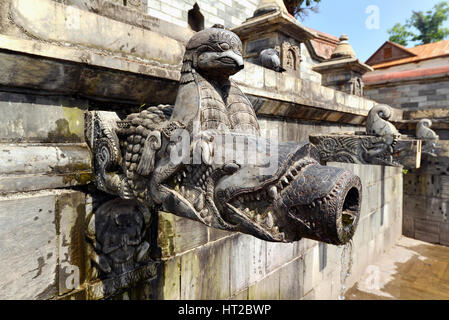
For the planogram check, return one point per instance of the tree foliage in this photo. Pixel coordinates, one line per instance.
(301, 8)
(429, 26)
(399, 34)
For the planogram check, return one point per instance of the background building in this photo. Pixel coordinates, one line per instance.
(416, 80)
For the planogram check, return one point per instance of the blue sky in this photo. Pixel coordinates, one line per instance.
(349, 17)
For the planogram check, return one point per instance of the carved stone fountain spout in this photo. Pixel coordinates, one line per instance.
(282, 196)
(381, 144)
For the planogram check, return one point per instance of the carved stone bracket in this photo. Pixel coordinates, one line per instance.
(382, 144)
(365, 149)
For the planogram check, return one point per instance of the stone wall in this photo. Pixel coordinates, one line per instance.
(426, 200)
(226, 12)
(416, 95)
(202, 263)
(44, 156)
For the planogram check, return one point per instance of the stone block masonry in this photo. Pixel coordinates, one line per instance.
(426, 200)
(417, 95)
(41, 238)
(223, 265)
(226, 12)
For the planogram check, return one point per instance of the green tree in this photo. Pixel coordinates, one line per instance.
(400, 34)
(301, 8)
(429, 26)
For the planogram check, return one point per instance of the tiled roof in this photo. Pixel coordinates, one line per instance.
(403, 75)
(422, 52)
(324, 44)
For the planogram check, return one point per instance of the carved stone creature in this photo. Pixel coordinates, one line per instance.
(117, 232)
(377, 122)
(429, 137)
(424, 132)
(350, 148)
(269, 58)
(296, 198)
(381, 145)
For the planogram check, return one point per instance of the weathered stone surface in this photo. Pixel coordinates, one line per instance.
(31, 118)
(31, 246)
(19, 70)
(194, 234)
(427, 231)
(171, 279)
(278, 254)
(78, 27)
(291, 285)
(247, 262)
(128, 15)
(426, 208)
(215, 234)
(295, 98)
(205, 272)
(297, 130)
(311, 268)
(265, 289)
(243, 295)
(414, 95)
(27, 167)
(444, 234)
(70, 218)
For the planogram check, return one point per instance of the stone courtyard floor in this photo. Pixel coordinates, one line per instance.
(411, 270)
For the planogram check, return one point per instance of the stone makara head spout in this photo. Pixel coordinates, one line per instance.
(208, 162)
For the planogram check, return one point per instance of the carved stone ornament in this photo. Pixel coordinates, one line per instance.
(357, 87)
(281, 196)
(429, 137)
(382, 144)
(290, 56)
(118, 233)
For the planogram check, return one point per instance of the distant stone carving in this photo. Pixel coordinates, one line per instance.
(350, 148)
(269, 58)
(424, 132)
(296, 198)
(382, 144)
(377, 123)
(429, 137)
(290, 56)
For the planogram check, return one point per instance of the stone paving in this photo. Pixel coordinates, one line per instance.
(411, 270)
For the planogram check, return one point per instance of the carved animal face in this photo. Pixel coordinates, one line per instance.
(225, 63)
(217, 53)
(298, 198)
